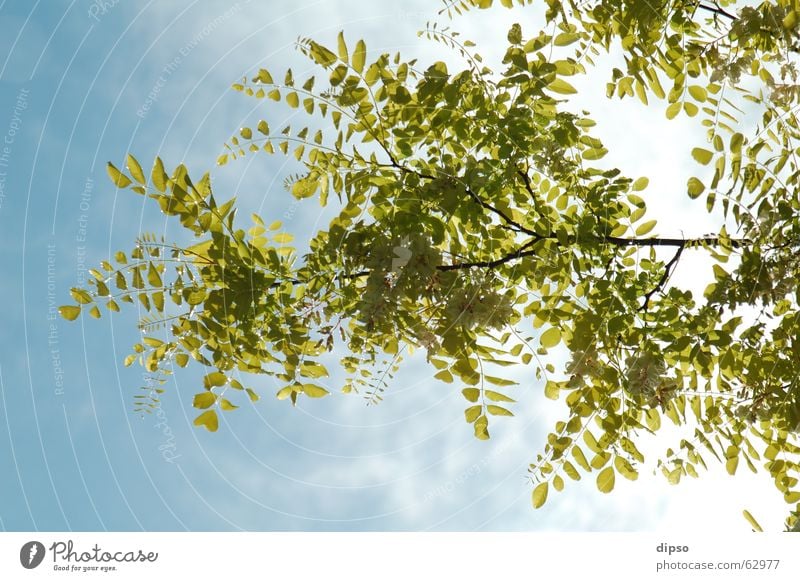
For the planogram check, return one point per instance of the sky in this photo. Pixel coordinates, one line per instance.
(83, 83)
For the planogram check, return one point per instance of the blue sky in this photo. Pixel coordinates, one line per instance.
(83, 83)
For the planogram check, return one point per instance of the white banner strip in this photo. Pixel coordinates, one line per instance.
(397, 556)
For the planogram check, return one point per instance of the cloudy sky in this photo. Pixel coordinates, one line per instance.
(82, 83)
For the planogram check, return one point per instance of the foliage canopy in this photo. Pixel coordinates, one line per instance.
(477, 222)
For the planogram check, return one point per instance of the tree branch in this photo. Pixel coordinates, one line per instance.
(664, 278)
(717, 10)
(486, 205)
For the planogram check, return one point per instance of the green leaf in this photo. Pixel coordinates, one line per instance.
(562, 87)
(313, 369)
(283, 238)
(551, 389)
(135, 169)
(790, 20)
(550, 338)
(265, 77)
(694, 188)
(208, 420)
(736, 143)
(565, 38)
(702, 156)
(81, 296)
(117, 177)
(153, 277)
(446, 376)
(322, 55)
(214, 379)
(471, 413)
(359, 56)
(753, 522)
(645, 227)
(495, 396)
(472, 394)
(342, 46)
(640, 184)
(227, 405)
(673, 110)
(625, 468)
(292, 100)
(496, 410)
(158, 176)
(653, 419)
(482, 428)
(605, 480)
(204, 400)
(698, 92)
(539, 496)
(594, 153)
(314, 390)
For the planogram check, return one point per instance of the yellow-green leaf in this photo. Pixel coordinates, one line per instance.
(208, 420)
(445, 375)
(640, 184)
(594, 153)
(471, 413)
(695, 187)
(342, 47)
(204, 400)
(359, 56)
(702, 156)
(81, 296)
(497, 410)
(283, 238)
(135, 169)
(645, 227)
(605, 480)
(539, 496)
(214, 379)
(562, 87)
(472, 394)
(482, 428)
(698, 92)
(550, 338)
(496, 396)
(158, 176)
(227, 405)
(753, 522)
(625, 468)
(117, 177)
(580, 458)
(314, 390)
(673, 110)
(153, 277)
